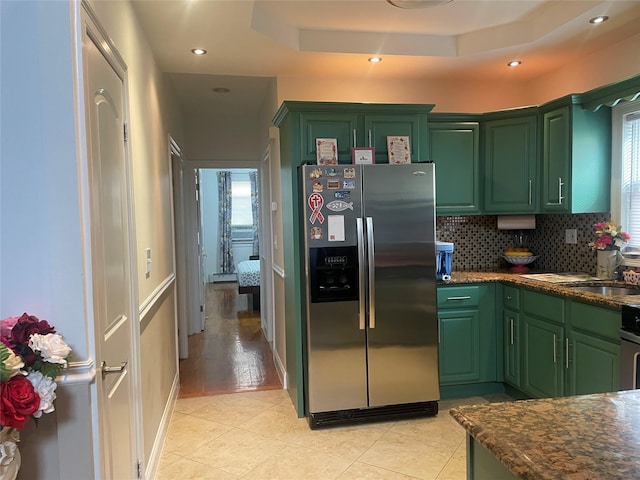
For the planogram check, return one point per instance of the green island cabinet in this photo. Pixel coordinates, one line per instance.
(511, 162)
(467, 336)
(576, 148)
(352, 124)
(564, 346)
(454, 147)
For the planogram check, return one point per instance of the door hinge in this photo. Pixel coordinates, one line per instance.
(201, 308)
(138, 469)
(126, 132)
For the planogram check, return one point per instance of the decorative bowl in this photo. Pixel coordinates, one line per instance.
(520, 260)
(520, 263)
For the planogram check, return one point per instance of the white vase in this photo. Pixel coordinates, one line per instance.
(606, 263)
(10, 459)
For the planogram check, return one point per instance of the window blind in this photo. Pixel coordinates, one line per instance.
(631, 177)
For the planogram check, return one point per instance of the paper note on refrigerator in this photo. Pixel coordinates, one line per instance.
(335, 228)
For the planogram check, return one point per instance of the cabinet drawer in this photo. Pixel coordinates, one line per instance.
(511, 297)
(543, 305)
(591, 318)
(454, 297)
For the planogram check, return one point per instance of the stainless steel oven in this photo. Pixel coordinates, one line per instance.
(630, 348)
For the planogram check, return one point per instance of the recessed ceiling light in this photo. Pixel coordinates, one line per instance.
(514, 63)
(375, 59)
(417, 3)
(221, 90)
(199, 51)
(597, 20)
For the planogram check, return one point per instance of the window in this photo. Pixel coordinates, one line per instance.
(626, 131)
(241, 213)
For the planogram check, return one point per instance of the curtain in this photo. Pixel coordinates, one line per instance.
(224, 223)
(253, 177)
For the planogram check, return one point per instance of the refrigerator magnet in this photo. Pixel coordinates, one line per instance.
(349, 172)
(327, 151)
(331, 172)
(339, 206)
(315, 203)
(335, 228)
(349, 184)
(315, 173)
(333, 184)
(317, 186)
(316, 233)
(342, 194)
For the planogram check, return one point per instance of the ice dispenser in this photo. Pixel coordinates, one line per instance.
(444, 254)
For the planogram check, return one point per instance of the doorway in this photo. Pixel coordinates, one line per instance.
(231, 353)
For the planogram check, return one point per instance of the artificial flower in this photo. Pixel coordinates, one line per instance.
(609, 236)
(10, 363)
(18, 401)
(51, 346)
(45, 387)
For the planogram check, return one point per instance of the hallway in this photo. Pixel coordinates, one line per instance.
(231, 354)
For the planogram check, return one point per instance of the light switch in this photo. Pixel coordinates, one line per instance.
(147, 256)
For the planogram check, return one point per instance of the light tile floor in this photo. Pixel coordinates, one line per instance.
(257, 436)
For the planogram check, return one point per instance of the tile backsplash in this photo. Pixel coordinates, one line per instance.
(479, 243)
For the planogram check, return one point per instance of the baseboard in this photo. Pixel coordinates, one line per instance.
(154, 457)
(470, 390)
(282, 372)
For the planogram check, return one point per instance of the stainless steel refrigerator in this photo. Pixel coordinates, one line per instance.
(371, 316)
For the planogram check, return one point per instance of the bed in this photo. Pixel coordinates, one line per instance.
(249, 279)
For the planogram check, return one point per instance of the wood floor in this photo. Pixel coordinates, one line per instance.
(231, 354)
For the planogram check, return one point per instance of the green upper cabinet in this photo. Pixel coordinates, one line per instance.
(454, 147)
(511, 165)
(341, 126)
(358, 125)
(378, 127)
(576, 150)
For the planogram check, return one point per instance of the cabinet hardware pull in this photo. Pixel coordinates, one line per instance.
(105, 369)
(560, 184)
(530, 181)
(354, 138)
(458, 298)
(511, 328)
(508, 297)
(369, 138)
(439, 329)
(555, 339)
(566, 347)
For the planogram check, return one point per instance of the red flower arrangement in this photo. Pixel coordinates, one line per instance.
(32, 355)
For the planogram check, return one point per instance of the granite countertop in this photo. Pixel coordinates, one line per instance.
(571, 438)
(562, 289)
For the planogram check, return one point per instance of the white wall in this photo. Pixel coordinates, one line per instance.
(42, 248)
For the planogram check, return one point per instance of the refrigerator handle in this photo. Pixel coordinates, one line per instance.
(361, 273)
(372, 270)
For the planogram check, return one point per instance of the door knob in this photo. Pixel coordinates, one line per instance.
(107, 369)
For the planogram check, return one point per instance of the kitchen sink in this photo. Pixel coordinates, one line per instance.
(608, 290)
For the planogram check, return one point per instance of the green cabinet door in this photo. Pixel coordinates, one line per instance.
(459, 349)
(593, 364)
(542, 369)
(454, 147)
(377, 127)
(341, 126)
(511, 165)
(511, 335)
(576, 150)
(556, 160)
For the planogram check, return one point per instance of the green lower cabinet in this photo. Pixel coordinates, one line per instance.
(511, 335)
(542, 369)
(459, 352)
(593, 364)
(467, 349)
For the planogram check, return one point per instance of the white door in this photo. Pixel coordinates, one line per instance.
(112, 261)
(201, 255)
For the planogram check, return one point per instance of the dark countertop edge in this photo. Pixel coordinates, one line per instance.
(561, 289)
